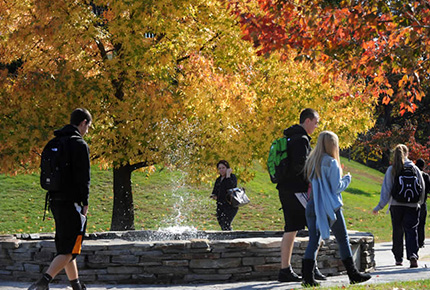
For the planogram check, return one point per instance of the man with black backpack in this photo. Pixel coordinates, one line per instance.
(291, 185)
(65, 173)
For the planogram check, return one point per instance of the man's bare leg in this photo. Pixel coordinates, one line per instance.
(72, 274)
(72, 270)
(58, 264)
(286, 274)
(287, 246)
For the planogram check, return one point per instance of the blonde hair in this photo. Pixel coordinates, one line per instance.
(401, 152)
(328, 142)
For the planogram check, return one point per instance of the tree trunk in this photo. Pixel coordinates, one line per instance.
(123, 208)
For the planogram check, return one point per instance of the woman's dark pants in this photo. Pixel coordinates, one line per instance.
(225, 214)
(404, 219)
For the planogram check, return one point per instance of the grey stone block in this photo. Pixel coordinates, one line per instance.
(98, 259)
(21, 256)
(5, 273)
(200, 277)
(44, 255)
(47, 244)
(15, 267)
(204, 271)
(236, 254)
(273, 259)
(124, 270)
(199, 243)
(176, 263)
(235, 270)
(144, 278)
(11, 244)
(167, 270)
(249, 261)
(268, 268)
(220, 263)
(31, 268)
(117, 278)
(125, 259)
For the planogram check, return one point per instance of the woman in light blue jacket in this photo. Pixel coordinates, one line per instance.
(324, 209)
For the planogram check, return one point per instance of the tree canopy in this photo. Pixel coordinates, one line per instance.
(386, 42)
(167, 82)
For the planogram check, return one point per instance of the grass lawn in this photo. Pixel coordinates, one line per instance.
(410, 285)
(163, 199)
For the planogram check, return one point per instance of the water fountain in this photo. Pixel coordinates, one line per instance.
(175, 254)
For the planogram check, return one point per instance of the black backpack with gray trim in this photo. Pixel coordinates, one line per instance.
(406, 187)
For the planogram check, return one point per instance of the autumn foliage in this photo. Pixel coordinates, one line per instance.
(385, 42)
(169, 83)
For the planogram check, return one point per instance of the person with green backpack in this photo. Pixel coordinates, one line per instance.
(291, 183)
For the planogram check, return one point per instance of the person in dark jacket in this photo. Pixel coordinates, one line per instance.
(69, 206)
(423, 210)
(227, 180)
(293, 183)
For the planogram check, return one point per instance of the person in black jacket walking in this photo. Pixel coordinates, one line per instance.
(69, 205)
(227, 180)
(423, 210)
(293, 183)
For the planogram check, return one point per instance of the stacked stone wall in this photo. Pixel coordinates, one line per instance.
(174, 261)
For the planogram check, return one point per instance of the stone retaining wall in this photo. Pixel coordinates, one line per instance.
(175, 261)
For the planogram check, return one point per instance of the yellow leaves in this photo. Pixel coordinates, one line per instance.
(194, 94)
(403, 81)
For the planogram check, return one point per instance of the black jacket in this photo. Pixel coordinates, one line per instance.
(221, 187)
(78, 183)
(426, 178)
(298, 148)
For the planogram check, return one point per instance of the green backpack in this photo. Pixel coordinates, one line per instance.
(277, 161)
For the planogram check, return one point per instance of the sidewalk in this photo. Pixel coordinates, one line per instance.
(385, 272)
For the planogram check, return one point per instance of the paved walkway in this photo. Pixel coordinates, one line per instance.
(385, 272)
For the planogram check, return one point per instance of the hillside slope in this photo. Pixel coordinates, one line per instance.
(163, 199)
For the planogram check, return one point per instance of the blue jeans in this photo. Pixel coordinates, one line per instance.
(338, 229)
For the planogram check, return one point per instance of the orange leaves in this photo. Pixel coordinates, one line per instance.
(386, 100)
(365, 39)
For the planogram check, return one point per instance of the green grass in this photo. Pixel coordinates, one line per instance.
(361, 197)
(162, 198)
(410, 285)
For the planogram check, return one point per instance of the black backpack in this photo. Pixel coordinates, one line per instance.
(406, 187)
(55, 164)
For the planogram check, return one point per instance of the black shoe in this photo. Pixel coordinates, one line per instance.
(354, 275)
(318, 275)
(288, 275)
(38, 286)
(308, 269)
(414, 262)
(77, 285)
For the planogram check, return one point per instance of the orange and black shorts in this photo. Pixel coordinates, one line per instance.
(70, 226)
